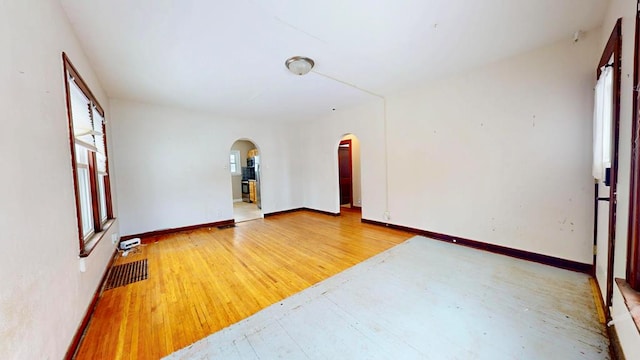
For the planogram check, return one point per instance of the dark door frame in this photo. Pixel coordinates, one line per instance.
(347, 142)
(613, 49)
(633, 236)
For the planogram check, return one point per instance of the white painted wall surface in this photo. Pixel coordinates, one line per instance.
(173, 166)
(625, 9)
(320, 141)
(43, 295)
(500, 154)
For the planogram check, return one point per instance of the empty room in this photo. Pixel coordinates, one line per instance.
(353, 179)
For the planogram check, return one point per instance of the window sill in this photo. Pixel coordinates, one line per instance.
(91, 243)
(631, 299)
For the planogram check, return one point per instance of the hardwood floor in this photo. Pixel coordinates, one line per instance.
(205, 280)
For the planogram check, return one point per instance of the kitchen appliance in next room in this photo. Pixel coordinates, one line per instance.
(245, 191)
(256, 166)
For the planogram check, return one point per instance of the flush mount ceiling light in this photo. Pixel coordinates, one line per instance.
(299, 65)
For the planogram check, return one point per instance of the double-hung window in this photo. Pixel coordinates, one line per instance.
(89, 160)
(234, 162)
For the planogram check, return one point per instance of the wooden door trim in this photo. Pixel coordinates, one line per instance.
(347, 142)
(613, 49)
(633, 236)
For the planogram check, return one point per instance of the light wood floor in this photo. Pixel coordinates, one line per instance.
(205, 280)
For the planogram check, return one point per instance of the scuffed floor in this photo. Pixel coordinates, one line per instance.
(424, 299)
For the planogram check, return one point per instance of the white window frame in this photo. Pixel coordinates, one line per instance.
(235, 154)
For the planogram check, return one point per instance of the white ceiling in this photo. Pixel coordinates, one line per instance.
(227, 57)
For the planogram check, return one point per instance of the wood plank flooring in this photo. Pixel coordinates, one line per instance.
(424, 299)
(205, 280)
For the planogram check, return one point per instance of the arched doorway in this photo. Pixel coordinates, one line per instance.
(244, 165)
(349, 176)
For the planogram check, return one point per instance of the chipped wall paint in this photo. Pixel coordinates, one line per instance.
(43, 294)
(500, 154)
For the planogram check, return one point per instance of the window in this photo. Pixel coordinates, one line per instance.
(603, 121)
(234, 163)
(89, 160)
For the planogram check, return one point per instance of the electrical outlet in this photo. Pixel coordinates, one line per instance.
(387, 215)
(114, 238)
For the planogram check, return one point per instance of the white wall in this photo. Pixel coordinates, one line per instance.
(625, 9)
(173, 166)
(500, 154)
(43, 295)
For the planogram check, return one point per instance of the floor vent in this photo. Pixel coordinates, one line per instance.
(125, 274)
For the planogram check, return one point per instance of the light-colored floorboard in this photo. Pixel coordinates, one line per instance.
(426, 299)
(244, 211)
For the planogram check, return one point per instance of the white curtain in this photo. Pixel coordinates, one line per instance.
(101, 153)
(602, 122)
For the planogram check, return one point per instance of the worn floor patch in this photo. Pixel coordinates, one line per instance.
(424, 299)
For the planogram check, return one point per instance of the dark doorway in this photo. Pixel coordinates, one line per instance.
(345, 173)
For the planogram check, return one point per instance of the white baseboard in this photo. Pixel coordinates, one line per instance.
(237, 200)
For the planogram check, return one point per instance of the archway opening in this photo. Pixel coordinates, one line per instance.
(244, 165)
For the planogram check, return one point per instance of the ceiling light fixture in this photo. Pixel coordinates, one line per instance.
(299, 65)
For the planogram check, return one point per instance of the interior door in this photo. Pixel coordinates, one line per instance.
(605, 180)
(344, 173)
(605, 164)
(602, 236)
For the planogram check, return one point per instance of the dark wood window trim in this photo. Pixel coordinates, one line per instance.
(348, 142)
(631, 300)
(633, 244)
(100, 224)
